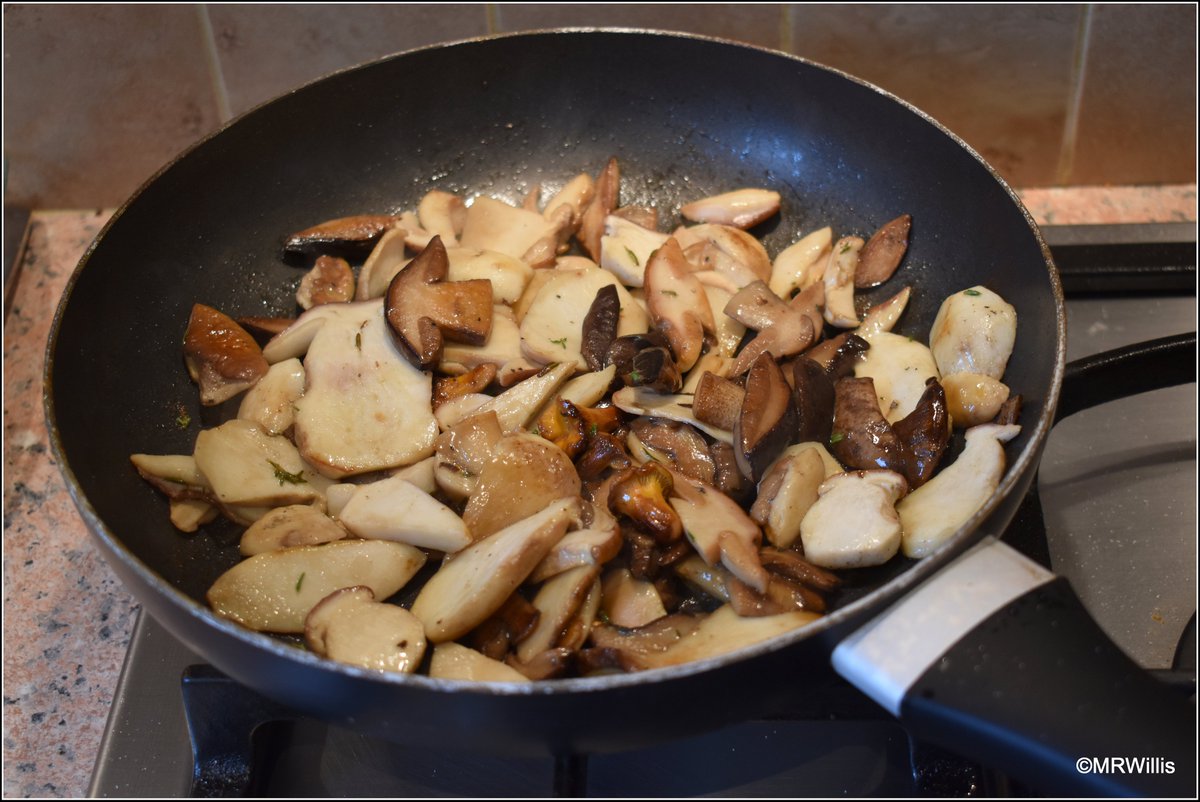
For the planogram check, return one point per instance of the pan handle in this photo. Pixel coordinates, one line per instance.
(996, 659)
(1139, 368)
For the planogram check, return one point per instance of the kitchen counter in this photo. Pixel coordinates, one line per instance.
(67, 619)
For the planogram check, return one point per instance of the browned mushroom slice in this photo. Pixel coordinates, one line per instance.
(475, 380)
(220, 355)
(783, 329)
(640, 494)
(789, 563)
(683, 444)
(591, 224)
(727, 477)
(925, 433)
(655, 637)
(813, 395)
(767, 421)
(1010, 411)
(549, 664)
(330, 281)
(732, 253)
(512, 622)
(862, 438)
(524, 475)
(644, 216)
(353, 236)
(562, 425)
(743, 208)
(882, 254)
(422, 307)
(677, 303)
(740, 556)
(839, 354)
(622, 350)
(718, 401)
(443, 214)
(576, 194)
(265, 327)
(600, 326)
(654, 369)
(558, 599)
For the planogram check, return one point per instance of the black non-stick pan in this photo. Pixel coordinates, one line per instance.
(686, 117)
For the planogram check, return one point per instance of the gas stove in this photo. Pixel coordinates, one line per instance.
(1114, 511)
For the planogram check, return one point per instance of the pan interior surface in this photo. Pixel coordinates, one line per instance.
(496, 117)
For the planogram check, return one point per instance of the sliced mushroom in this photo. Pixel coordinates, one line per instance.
(783, 330)
(447, 388)
(644, 216)
(524, 474)
(415, 237)
(801, 264)
(626, 248)
(742, 208)
(456, 410)
(189, 514)
(687, 450)
(493, 225)
(883, 316)
(544, 252)
(593, 546)
(462, 451)
(639, 401)
(724, 631)
(789, 563)
(740, 556)
(558, 599)
(862, 438)
(813, 396)
(349, 626)
(854, 523)
(454, 661)
(925, 433)
(576, 195)
(245, 466)
(974, 332)
(640, 494)
(767, 420)
(508, 276)
(718, 401)
(503, 349)
(517, 406)
(351, 236)
(419, 474)
(170, 472)
(266, 327)
(422, 307)
(935, 511)
(900, 367)
(285, 527)
(706, 513)
(600, 326)
(472, 586)
(395, 509)
(622, 350)
(1010, 411)
(677, 303)
(274, 591)
(330, 281)
(220, 355)
(365, 407)
(882, 254)
(786, 492)
(839, 355)
(294, 341)
(629, 602)
(271, 402)
(729, 332)
(731, 252)
(605, 200)
(442, 214)
(710, 362)
(839, 283)
(590, 388)
(972, 398)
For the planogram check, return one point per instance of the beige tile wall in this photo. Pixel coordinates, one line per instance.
(98, 97)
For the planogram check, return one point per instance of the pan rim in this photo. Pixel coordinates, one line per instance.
(860, 609)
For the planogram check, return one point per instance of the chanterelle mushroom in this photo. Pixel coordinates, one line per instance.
(422, 308)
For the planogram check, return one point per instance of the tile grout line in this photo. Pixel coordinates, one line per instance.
(1066, 154)
(214, 64)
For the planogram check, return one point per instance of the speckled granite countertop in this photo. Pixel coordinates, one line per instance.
(67, 620)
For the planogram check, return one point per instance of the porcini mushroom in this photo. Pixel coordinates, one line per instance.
(854, 523)
(350, 626)
(882, 254)
(348, 235)
(330, 281)
(839, 283)
(220, 355)
(767, 420)
(742, 208)
(677, 303)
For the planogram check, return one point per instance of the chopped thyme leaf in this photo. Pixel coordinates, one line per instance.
(593, 429)
(300, 581)
(635, 376)
(183, 421)
(633, 256)
(560, 341)
(845, 248)
(972, 293)
(672, 293)
(283, 476)
(358, 340)
(837, 437)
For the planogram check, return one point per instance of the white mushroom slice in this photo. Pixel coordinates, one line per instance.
(509, 276)
(729, 331)
(590, 388)
(974, 332)
(454, 661)
(365, 406)
(711, 278)
(493, 225)
(189, 514)
(677, 304)
(883, 316)
(246, 466)
(502, 347)
(552, 328)
(972, 398)
(285, 527)
(802, 264)
(386, 260)
(730, 251)
(419, 474)
(274, 591)
(709, 579)
(518, 370)
(171, 469)
(516, 406)
(295, 340)
(349, 626)
(468, 589)
(724, 631)
(786, 492)
(457, 410)
(937, 509)
(832, 466)
(854, 522)
(711, 362)
(462, 451)
(415, 237)
(574, 263)
(242, 515)
(330, 281)
(593, 546)
(742, 208)
(576, 194)
(536, 282)
(337, 496)
(640, 401)
(740, 556)
(629, 602)
(899, 366)
(396, 509)
(839, 283)
(544, 252)
(707, 512)
(625, 249)
(443, 214)
(523, 474)
(579, 628)
(270, 403)
(556, 601)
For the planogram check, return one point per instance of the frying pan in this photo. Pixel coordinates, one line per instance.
(686, 117)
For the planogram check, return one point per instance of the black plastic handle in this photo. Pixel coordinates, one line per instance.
(1122, 372)
(1040, 692)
